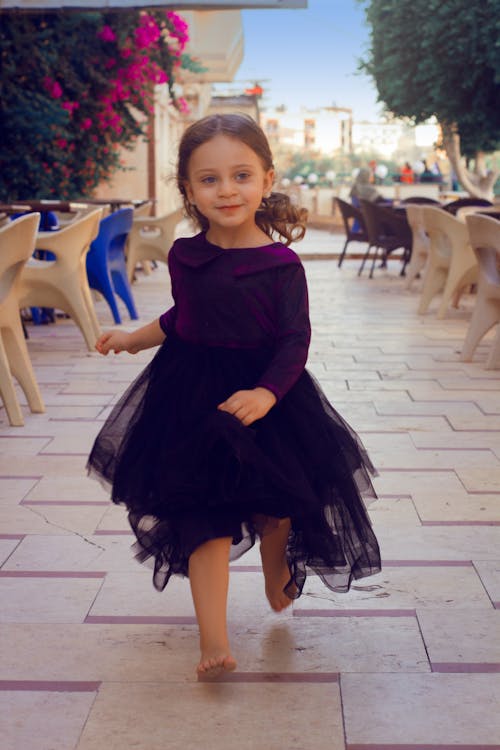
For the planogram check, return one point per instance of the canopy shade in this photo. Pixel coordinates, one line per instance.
(177, 5)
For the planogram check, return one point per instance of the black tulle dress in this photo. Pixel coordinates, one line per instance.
(188, 472)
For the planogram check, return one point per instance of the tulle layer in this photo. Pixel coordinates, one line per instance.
(188, 472)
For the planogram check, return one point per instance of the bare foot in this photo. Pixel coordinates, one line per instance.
(214, 663)
(276, 575)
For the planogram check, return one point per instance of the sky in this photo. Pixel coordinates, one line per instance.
(310, 56)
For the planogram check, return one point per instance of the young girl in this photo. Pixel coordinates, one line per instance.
(225, 437)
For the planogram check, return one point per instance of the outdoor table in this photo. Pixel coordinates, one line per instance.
(42, 206)
(117, 203)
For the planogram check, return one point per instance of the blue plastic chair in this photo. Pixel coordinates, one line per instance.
(106, 268)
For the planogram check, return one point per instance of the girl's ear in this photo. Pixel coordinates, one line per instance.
(189, 192)
(268, 181)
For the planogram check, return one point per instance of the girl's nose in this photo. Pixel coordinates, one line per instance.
(226, 187)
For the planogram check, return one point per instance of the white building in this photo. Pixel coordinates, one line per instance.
(326, 129)
(332, 131)
(394, 139)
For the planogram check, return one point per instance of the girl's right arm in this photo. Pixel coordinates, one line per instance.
(121, 341)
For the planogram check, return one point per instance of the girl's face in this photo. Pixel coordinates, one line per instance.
(226, 182)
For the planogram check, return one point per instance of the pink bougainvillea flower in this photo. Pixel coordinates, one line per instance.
(148, 33)
(110, 63)
(53, 87)
(126, 52)
(86, 123)
(182, 105)
(61, 142)
(70, 106)
(107, 34)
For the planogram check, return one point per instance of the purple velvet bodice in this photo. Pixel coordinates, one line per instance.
(242, 298)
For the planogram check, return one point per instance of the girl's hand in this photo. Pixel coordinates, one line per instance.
(248, 406)
(116, 341)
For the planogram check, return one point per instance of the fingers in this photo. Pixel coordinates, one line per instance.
(108, 342)
(243, 406)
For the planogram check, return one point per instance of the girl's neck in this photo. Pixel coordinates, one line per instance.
(237, 237)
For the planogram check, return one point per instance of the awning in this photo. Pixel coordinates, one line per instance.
(179, 5)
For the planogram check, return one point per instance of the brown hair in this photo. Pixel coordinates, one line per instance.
(276, 214)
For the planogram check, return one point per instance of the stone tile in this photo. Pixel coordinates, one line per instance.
(7, 547)
(489, 572)
(43, 720)
(401, 482)
(71, 518)
(54, 600)
(397, 588)
(64, 553)
(421, 709)
(22, 445)
(74, 438)
(90, 652)
(396, 511)
(133, 594)
(168, 653)
(114, 519)
(439, 543)
(461, 637)
(15, 488)
(398, 452)
(117, 555)
(319, 644)
(247, 713)
(64, 487)
(476, 480)
(42, 466)
(456, 506)
(18, 519)
(91, 386)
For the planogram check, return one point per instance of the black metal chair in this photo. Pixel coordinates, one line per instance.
(351, 216)
(453, 207)
(421, 199)
(388, 230)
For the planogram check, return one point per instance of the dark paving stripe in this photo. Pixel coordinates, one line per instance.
(56, 686)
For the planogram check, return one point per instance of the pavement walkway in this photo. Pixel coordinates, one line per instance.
(93, 658)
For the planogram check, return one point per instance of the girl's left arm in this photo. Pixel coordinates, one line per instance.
(293, 334)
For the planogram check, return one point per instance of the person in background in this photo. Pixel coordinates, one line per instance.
(407, 175)
(427, 175)
(363, 189)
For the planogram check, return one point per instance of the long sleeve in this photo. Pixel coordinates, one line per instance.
(167, 320)
(293, 332)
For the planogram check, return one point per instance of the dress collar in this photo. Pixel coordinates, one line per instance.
(198, 251)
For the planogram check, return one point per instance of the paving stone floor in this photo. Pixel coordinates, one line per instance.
(93, 658)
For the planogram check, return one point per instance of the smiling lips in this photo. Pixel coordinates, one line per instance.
(227, 208)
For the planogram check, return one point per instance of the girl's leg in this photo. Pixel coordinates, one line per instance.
(209, 579)
(274, 564)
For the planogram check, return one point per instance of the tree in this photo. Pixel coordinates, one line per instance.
(434, 58)
(74, 88)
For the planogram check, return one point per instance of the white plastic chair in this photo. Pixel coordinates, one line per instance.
(17, 242)
(143, 210)
(420, 243)
(62, 283)
(452, 265)
(151, 239)
(484, 233)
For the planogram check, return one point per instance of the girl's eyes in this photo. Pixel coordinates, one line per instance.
(211, 179)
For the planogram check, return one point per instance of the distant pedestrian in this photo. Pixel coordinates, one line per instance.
(427, 174)
(407, 175)
(362, 187)
(225, 437)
